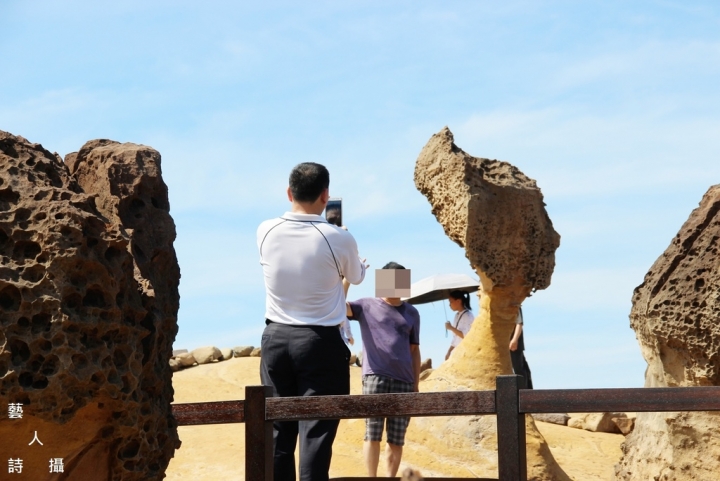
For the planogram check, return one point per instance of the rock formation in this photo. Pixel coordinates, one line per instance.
(206, 354)
(89, 298)
(676, 317)
(243, 351)
(497, 215)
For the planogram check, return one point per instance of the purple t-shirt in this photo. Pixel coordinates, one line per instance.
(387, 333)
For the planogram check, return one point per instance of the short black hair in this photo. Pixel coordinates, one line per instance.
(308, 180)
(393, 265)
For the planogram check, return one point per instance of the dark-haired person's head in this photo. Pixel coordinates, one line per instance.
(307, 181)
(393, 265)
(464, 296)
(392, 285)
(333, 217)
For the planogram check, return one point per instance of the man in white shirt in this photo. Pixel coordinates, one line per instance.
(304, 260)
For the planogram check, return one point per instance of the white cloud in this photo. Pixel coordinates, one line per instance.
(649, 62)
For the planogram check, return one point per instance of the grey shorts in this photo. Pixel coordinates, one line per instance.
(396, 426)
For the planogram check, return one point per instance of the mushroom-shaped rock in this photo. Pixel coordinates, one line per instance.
(497, 214)
(89, 297)
(675, 315)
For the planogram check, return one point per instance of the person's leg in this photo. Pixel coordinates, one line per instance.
(527, 374)
(394, 455)
(396, 429)
(516, 357)
(316, 440)
(373, 384)
(276, 370)
(321, 361)
(371, 454)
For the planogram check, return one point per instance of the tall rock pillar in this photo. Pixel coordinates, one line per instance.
(497, 214)
(88, 306)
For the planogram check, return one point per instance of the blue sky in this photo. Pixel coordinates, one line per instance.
(613, 108)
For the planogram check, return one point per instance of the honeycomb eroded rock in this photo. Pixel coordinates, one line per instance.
(676, 317)
(89, 299)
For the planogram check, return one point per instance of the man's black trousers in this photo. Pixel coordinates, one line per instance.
(304, 361)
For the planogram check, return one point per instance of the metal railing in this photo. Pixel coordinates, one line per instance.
(507, 401)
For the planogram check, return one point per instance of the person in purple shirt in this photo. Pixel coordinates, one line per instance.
(390, 331)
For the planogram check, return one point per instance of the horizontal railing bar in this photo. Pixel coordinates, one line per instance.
(663, 399)
(456, 403)
(433, 479)
(380, 405)
(218, 412)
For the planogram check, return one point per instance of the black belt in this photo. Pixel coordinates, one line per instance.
(268, 322)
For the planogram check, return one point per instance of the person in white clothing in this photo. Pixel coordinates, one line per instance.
(460, 303)
(304, 260)
(346, 332)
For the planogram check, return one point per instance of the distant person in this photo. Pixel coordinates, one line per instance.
(304, 261)
(460, 303)
(390, 331)
(517, 352)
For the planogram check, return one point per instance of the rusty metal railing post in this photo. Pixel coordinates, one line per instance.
(258, 435)
(512, 461)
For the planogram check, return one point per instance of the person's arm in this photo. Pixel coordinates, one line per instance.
(447, 356)
(353, 310)
(415, 352)
(353, 267)
(454, 330)
(346, 286)
(516, 337)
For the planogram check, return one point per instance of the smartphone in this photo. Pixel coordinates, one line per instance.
(333, 211)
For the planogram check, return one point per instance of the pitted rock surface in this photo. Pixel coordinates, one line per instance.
(491, 209)
(676, 310)
(676, 317)
(89, 298)
(497, 214)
